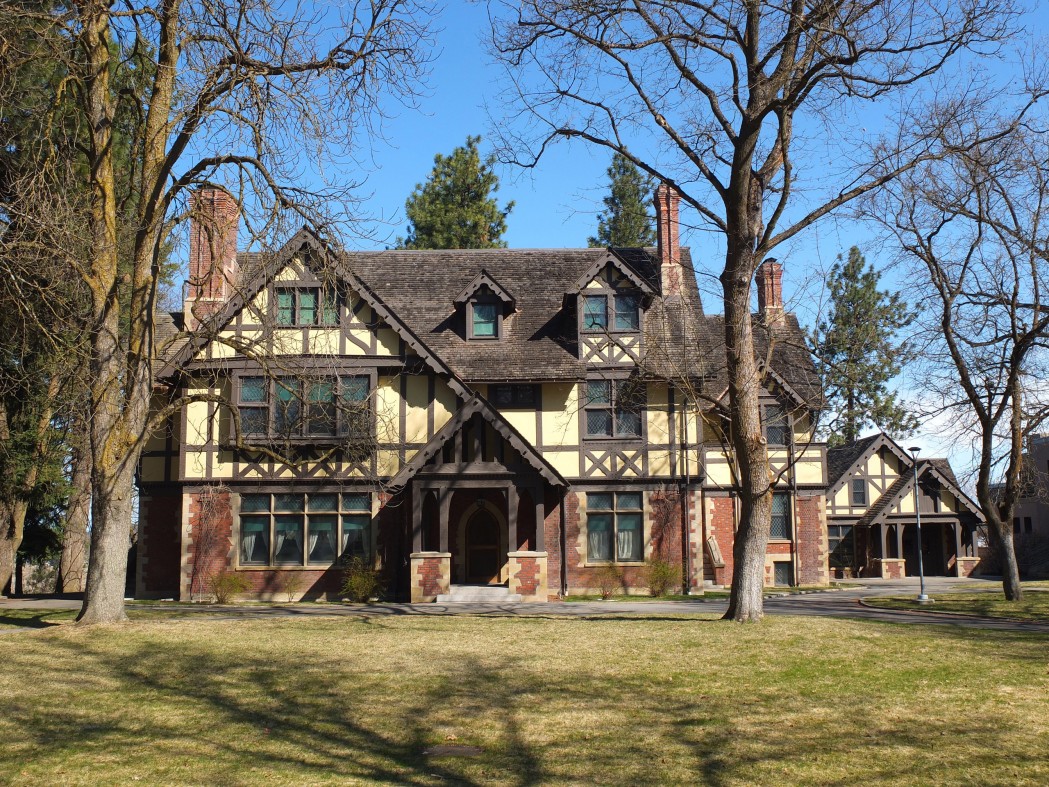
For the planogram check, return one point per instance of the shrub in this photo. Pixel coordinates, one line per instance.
(661, 576)
(227, 584)
(609, 580)
(361, 581)
(289, 584)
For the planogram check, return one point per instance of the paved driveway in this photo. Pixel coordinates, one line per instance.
(845, 603)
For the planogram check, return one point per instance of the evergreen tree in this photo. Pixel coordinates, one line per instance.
(455, 207)
(857, 352)
(626, 221)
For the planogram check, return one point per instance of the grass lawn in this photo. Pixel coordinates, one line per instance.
(1033, 606)
(649, 700)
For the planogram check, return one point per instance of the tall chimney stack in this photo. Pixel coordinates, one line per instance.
(769, 277)
(667, 234)
(213, 269)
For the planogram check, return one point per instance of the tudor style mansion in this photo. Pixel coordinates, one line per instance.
(524, 422)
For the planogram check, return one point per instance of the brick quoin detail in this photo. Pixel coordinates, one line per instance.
(528, 576)
(430, 576)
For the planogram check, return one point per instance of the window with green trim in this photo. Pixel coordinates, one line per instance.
(305, 407)
(311, 529)
(301, 306)
(614, 527)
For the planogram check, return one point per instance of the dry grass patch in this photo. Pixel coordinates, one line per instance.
(652, 700)
(1033, 607)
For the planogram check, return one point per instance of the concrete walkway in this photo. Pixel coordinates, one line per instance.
(844, 603)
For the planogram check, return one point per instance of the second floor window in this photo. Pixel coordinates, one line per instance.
(298, 306)
(304, 407)
(612, 408)
(780, 517)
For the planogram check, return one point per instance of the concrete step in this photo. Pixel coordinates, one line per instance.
(478, 594)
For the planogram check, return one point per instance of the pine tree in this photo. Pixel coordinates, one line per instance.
(626, 221)
(858, 354)
(455, 207)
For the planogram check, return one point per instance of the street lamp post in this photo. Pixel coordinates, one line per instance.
(922, 597)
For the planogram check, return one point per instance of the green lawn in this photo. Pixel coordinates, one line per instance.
(1033, 606)
(650, 700)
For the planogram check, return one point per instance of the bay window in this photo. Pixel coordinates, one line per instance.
(312, 529)
(299, 408)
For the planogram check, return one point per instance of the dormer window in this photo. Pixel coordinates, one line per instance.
(619, 312)
(485, 303)
(485, 321)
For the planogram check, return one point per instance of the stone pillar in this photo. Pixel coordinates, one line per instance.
(528, 575)
(431, 575)
(966, 566)
(891, 568)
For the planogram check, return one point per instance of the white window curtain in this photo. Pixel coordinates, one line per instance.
(247, 547)
(600, 545)
(626, 541)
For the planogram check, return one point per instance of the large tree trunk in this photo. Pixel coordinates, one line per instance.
(9, 541)
(72, 570)
(113, 471)
(744, 391)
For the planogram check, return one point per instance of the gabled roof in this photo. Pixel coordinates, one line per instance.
(474, 405)
(614, 258)
(781, 349)
(259, 277)
(843, 459)
(938, 469)
(485, 279)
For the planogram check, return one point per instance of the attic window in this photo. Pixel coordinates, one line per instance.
(299, 306)
(485, 302)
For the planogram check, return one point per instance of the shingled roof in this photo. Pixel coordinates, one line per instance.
(842, 457)
(539, 338)
(790, 358)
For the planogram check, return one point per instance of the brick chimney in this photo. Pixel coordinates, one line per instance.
(213, 219)
(667, 235)
(769, 278)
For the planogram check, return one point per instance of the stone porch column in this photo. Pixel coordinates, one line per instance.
(431, 575)
(528, 575)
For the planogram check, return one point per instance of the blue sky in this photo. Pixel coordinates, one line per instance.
(557, 202)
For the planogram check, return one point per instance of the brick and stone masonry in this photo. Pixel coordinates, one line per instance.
(158, 545)
(208, 549)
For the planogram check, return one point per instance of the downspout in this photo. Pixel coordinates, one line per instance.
(563, 535)
(793, 506)
(685, 533)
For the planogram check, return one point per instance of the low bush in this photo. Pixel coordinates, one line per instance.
(609, 579)
(361, 581)
(225, 585)
(661, 576)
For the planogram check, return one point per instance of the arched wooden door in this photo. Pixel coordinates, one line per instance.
(482, 549)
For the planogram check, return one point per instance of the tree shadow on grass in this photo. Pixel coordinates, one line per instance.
(38, 620)
(240, 714)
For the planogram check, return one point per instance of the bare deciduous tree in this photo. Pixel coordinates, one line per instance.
(974, 226)
(727, 97)
(244, 91)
